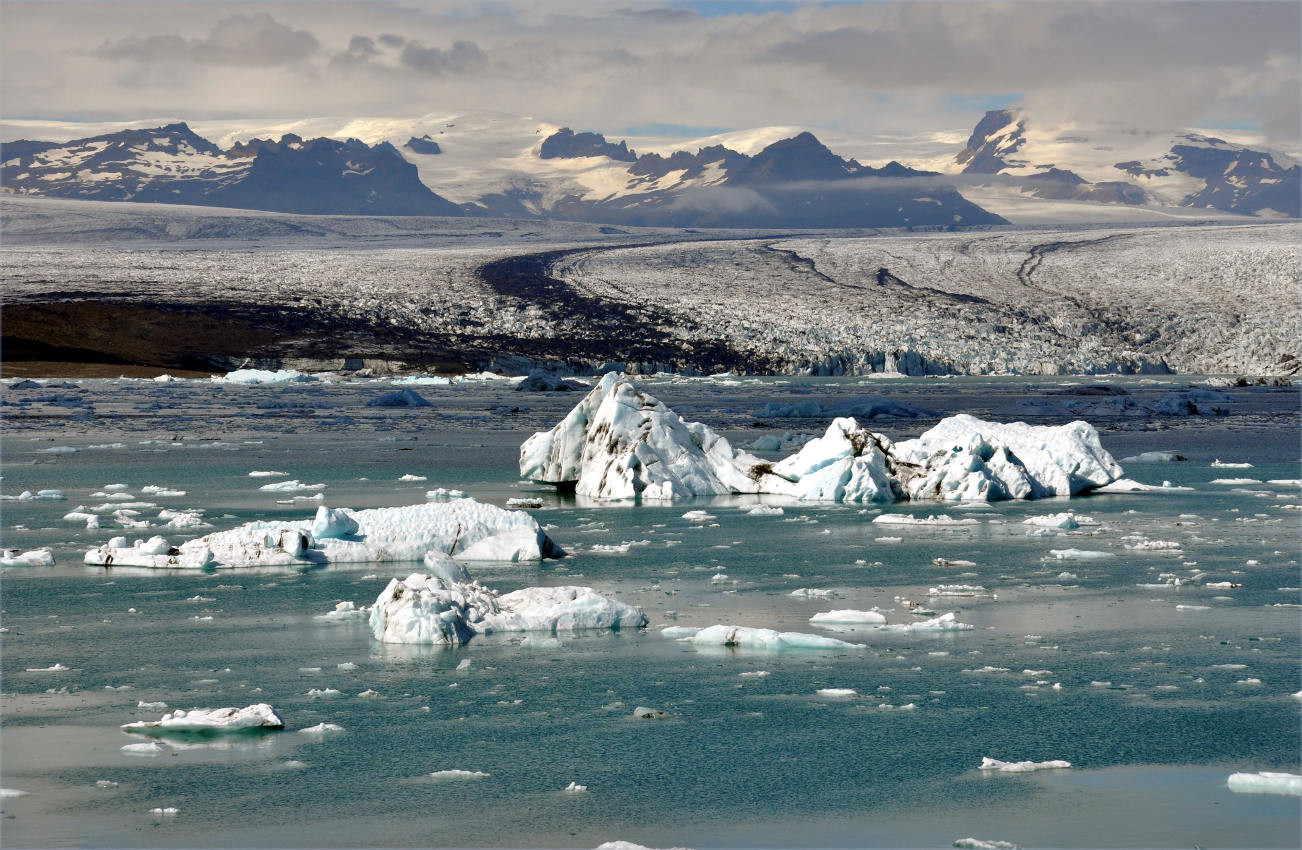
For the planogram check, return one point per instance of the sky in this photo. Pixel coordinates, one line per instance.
(682, 67)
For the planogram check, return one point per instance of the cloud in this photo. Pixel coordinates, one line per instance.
(257, 40)
(462, 57)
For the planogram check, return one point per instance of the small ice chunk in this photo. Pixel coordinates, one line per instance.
(33, 558)
(934, 520)
(321, 729)
(56, 667)
(267, 473)
(575, 788)
(644, 713)
(411, 477)
(979, 844)
(836, 693)
(698, 516)
(149, 748)
(1079, 554)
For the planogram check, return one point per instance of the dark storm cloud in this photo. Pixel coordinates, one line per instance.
(257, 40)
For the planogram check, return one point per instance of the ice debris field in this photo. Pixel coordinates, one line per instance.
(772, 596)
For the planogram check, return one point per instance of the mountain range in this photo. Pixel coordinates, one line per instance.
(488, 164)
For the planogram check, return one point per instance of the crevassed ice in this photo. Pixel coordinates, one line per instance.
(619, 442)
(465, 528)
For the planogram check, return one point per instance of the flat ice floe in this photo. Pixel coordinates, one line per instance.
(744, 637)
(988, 763)
(431, 609)
(210, 720)
(619, 442)
(466, 528)
(1266, 782)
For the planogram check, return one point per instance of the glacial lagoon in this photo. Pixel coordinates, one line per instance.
(1156, 671)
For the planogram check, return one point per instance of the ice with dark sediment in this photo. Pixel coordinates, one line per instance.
(619, 442)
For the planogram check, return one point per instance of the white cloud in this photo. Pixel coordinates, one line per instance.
(844, 69)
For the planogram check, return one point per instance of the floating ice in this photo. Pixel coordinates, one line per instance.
(344, 612)
(836, 693)
(742, 637)
(619, 442)
(979, 844)
(266, 473)
(211, 720)
(1235, 482)
(1154, 457)
(1222, 464)
(909, 519)
(972, 590)
(410, 477)
(1127, 485)
(32, 558)
(1066, 521)
(290, 486)
(763, 510)
(988, 763)
(457, 775)
(1266, 782)
(575, 788)
(947, 622)
(150, 748)
(429, 609)
(56, 667)
(263, 376)
(1079, 554)
(465, 528)
(12, 792)
(644, 713)
(400, 398)
(849, 617)
(321, 729)
(442, 494)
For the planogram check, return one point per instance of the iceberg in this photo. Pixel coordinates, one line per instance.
(847, 617)
(431, 609)
(210, 720)
(619, 442)
(263, 376)
(463, 528)
(33, 558)
(743, 637)
(406, 397)
(1266, 782)
(988, 763)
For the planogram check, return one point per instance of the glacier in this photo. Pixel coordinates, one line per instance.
(619, 442)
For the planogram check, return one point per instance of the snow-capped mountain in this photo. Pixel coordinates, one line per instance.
(172, 164)
(1189, 169)
(488, 164)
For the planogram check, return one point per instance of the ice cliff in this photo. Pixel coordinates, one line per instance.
(619, 442)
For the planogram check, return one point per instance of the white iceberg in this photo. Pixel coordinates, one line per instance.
(33, 558)
(848, 617)
(463, 528)
(1266, 782)
(944, 623)
(988, 763)
(210, 720)
(619, 442)
(743, 637)
(263, 376)
(430, 609)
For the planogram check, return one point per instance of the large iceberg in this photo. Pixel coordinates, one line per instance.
(210, 720)
(620, 443)
(468, 529)
(433, 609)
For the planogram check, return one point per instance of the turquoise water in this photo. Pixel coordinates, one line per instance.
(1158, 704)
